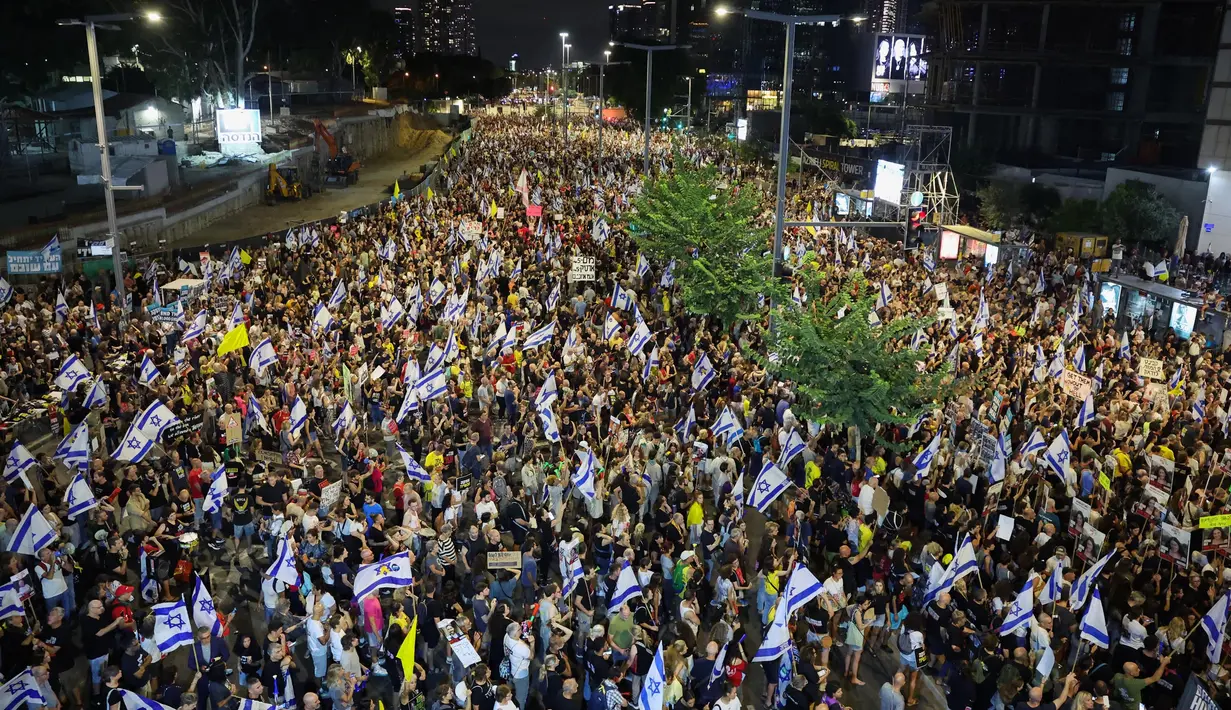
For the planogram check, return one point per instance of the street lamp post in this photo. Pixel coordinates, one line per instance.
(602, 101)
(91, 24)
(563, 41)
(564, 90)
(354, 59)
(688, 109)
(649, 73)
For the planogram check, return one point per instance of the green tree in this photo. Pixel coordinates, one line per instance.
(1076, 216)
(999, 206)
(825, 117)
(721, 264)
(1137, 212)
(1038, 203)
(845, 370)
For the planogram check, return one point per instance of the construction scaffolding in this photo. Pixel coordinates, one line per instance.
(928, 172)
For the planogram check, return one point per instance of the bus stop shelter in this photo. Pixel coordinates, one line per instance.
(1159, 307)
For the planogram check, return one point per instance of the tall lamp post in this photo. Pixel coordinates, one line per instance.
(649, 74)
(563, 41)
(91, 23)
(354, 59)
(788, 69)
(602, 97)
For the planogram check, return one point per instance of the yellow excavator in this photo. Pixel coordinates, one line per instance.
(284, 185)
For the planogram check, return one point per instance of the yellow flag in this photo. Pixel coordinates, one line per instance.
(540, 174)
(245, 257)
(397, 191)
(429, 193)
(234, 340)
(492, 212)
(406, 653)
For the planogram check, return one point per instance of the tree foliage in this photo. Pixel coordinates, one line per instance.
(709, 229)
(825, 116)
(999, 207)
(845, 370)
(1136, 211)
(1077, 216)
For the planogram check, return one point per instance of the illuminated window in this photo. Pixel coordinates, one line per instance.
(1119, 76)
(1126, 46)
(1115, 101)
(1128, 22)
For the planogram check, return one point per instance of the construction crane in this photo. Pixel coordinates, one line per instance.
(341, 168)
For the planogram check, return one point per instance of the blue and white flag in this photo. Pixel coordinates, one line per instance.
(703, 373)
(885, 297)
(79, 497)
(1021, 613)
(1035, 443)
(551, 430)
(410, 403)
(1083, 585)
(134, 446)
(154, 420)
(728, 427)
(237, 317)
(924, 460)
(1079, 358)
(1199, 406)
(643, 265)
(10, 601)
(391, 315)
(6, 292)
(339, 295)
(197, 329)
(74, 449)
(132, 701)
(1174, 382)
(413, 470)
(1086, 414)
(1056, 368)
(918, 339)
(553, 298)
(217, 494)
(436, 291)
(668, 277)
(33, 533)
(148, 372)
(587, 468)
(387, 251)
(23, 689)
(720, 666)
(654, 689)
(542, 336)
(770, 484)
(611, 326)
(1215, 624)
(1052, 590)
(777, 637)
(262, 357)
(684, 426)
(19, 461)
(1096, 383)
(1058, 453)
(322, 319)
(61, 307)
(1071, 329)
(299, 416)
(72, 373)
(801, 588)
(964, 562)
(283, 569)
(652, 361)
(548, 393)
(452, 348)
(1125, 351)
(982, 316)
(345, 421)
(435, 358)
(204, 615)
(432, 385)
(510, 339)
(1041, 285)
(96, 396)
(1094, 624)
(256, 415)
(626, 588)
(640, 337)
(171, 626)
(391, 572)
(620, 298)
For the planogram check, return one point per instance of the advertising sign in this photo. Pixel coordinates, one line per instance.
(35, 262)
(846, 167)
(889, 178)
(898, 66)
(239, 130)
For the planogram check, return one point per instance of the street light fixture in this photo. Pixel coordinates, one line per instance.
(91, 23)
(649, 69)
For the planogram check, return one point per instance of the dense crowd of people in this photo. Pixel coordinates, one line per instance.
(454, 476)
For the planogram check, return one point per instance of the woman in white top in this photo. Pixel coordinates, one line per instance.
(729, 699)
(519, 652)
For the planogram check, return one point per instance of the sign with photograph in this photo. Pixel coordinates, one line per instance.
(898, 66)
(1090, 544)
(1174, 544)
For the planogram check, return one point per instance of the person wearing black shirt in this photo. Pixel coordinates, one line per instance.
(482, 692)
(56, 639)
(241, 513)
(273, 491)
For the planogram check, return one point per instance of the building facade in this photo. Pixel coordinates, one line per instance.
(446, 27)
(404, 20)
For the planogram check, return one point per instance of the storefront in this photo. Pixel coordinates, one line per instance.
(1158, 307)
(960, 241)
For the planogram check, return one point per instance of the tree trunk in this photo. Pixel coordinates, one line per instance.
(239, 73)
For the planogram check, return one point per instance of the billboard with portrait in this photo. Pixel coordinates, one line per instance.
(898, 66)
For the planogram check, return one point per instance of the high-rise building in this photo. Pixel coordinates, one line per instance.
(643, 21)
(446, 27)
(404, 20)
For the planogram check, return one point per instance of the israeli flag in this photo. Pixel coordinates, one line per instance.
(391, 315)
(884, 297)
(640, 337)
(574, 338)
(654, 689)
(155, 419)
(1058, 453)
(436, 291)
(72, 373)
(651, 362)
(452, 350)
(1125, 351)
(1215, 623)
(61, 307)
(940, 580)
(262, 357)
(1038, 310)
(1041, 285)
(432, 385)
(551, 431)
(542, 336)
(725, 424)
(516, 270)
(345, 421)
(1021, 613)
(204, 616)
(148, 372)
(1083, 585)
(1199, 406)
(1174, 382)
(410, 372)
(10, 601)
(237, 317)
(299, 416)
(918, 339)
(410, 402)
(339, 295)
(574, 576)
(770, 484)
(134, 446)
(217, 493)
(1071, 329)
(413, 470)
(620, 298)
(928, 262)
(19, 461)
(1094, 624)
(197, 329)
(435, 358)
(923, 462)
(171, 626)
(583, 477)
(456, 307)
(548, 393)
(777, 637)
(256, 415)
(1096, 383)
(611, 327)
(1057, 364)
(703, 373)
(33, 533)
(802, 588)
(79, 497)
(283, 568)
(685, 425)
(1079, 358)
(322, 319)
(96, 396)
(74, 450)
(626, 588)
(999, 460)
(510, 339)
(23, 690)
(1051, 590)
(1086, 414)
(553, 298)
(964, 561)
(643, 266)
(983, 316)
(1035, 443)
(391, 572)
(668, 277)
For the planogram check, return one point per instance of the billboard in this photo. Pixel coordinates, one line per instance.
(35, 262)
(239, 131)
(889, 178)
(898, 66)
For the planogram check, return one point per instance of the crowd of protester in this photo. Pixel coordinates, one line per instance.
(413, 411)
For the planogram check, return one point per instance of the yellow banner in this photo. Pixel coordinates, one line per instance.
(1104, 480)
(234, 340)
(1215, 521)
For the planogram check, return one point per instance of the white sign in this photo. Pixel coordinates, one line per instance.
(889, 179)
(462, 648)
(330, 495)
(942, 291)
(1075, 385)
(239, 131)
(1004, 527)
(946, 314)
(1151, 368)
(471, 230)
(584, 269)
(499, 213)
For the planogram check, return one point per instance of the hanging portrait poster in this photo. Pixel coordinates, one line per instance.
(1078, 517)
(1090, 544)
(1162, 473)
(1151, 504)
(1216, 539)
(1174, 544)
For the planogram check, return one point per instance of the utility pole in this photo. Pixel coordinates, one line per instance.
(649, 79)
